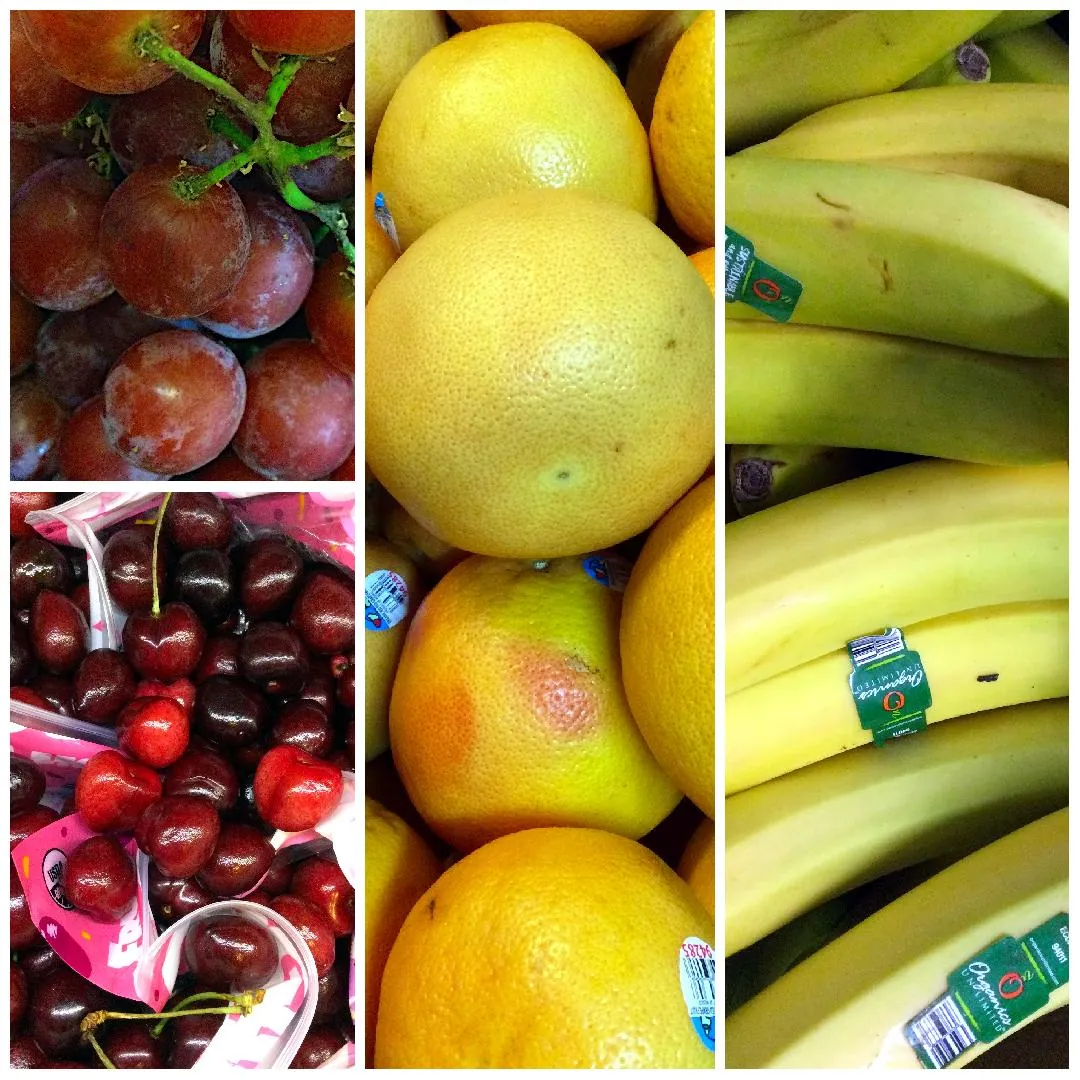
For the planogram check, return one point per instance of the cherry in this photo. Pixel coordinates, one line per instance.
(321, 882)
(58, 632)
(80, 597)
(57, 1006)
(258, 896)
(25, 502)
(220, 656)
(23, 664)
(332, 999)
(104, 684)
(346, 687)
(203, 580)
(229, 711)
(240, 859)
(20, 991)
(269, 576)
(204, 774)
(303, 724)
(191, 1036)
(319, 686)
(112, 791)
(37, 963)
(26, 1054)
(127, 561)
(56, 691)
(320, 1044)
(24, 934)
(130, 1044)
(197, 520)
(311, 926)
(99, 878)
(27, 784)
(35, 565)
(26, 824)
(153, 729)
(180, 690)
(324, 613)
(273, 657)
(230, 953)
(172, 898)
(179, 833)
(294, 790)
(279, 875)
(166, 646)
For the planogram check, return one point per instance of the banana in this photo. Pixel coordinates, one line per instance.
(1034, 55)
(965, 64)
(845, 1006)
(818, 385)
(801, 839)
(1009, 22)
(1015, 134)
(766, 475)
(935, 256)
(974, 660)
(891, 549)
(780, 67)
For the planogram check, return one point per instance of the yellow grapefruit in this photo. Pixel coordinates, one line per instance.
(379, 250)
(697, 867)
(601, 29)
(650, 57)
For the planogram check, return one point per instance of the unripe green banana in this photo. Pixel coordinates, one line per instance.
(761, 476)
(1034, 55)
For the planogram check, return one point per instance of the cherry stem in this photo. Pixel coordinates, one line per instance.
(156, 609)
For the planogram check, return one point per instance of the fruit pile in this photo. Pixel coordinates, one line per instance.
(539, 558)
(176, 311)
(896, 414)
(223, 723)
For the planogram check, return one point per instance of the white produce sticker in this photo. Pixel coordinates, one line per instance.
(386, 600)
(697, 977)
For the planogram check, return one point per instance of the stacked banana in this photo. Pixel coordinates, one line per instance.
(897, 417)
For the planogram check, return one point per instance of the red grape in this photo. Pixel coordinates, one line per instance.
(226, 466)
(169, 256)
(298, 423)
(327, 179)
(308, 110)
(304, 33)
(27, 157)
(55, 257)
(277, 276)
(76, 349)
(85, 452)
(330, 310)
(346, 470)
(39, 97)
(173, 401)
(97, 49)
(36, 423)
(25, 322)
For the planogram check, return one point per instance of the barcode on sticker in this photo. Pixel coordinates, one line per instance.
(940, 1032)
(386, 599)
(697, 976)
(385, 219)
(875, 647)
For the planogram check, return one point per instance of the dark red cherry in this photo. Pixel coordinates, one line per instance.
(269, 576)
(165, 646)
(324, 613)
(57, 1006)
(319, 880)
(30, 697)
(80, 597)
(294, 790)
(204, 774)
(240, 859)
(173, 898)
(23, 664)
(37, 963)
(35, 565)
(197, 520)
(303, 724)
(23, 503)
(203, 579)
(26, 1054)
(130, 1044)
(332, 1000)
(279, 875)
(20, 992)
(220, 656)
(58, 632)
(346, 686)
(56, 690)
(229, 711)
(127, 561)
(179, 833)
(230, 953)
(320, 1044)
(319, 686)
(27, 784)
(104, 684)
(273, 657)
(24, 934)
(30, 821)
(311, 926)
(153, 729)
(113, 790)
(190, 1037)
(99, 878)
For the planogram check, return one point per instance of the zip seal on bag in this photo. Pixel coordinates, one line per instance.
(888, 685)
(755, 282)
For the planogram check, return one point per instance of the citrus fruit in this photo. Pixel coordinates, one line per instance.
(697, 867)
(379, 250)
(503, 109)
(705, 263)
(667, 643)
(508, 710)
(398, 867)
(393, 42)
(601, 29)
(429, 554)
(550, 948)
(682, 133)
(650, 57)
(540, 376)
(391, 593)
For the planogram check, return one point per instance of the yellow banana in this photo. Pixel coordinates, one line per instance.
(927, 255)
(891, 549)
(801, 839)
(845, 1006)
(813, 384)
(974, 660)
(780, 67)
(962, 66)
(1015, 134)
(1009, 22)
(1034, 55)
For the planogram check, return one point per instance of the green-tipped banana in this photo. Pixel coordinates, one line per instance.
(935, 256)
(1035, 55)
(766, 475)
(962, 66)
(891, 549)
(846, 1006)
(801, 839)
(986, 658)
(1009, 22)
(782, 66)
(846, 388)
(1012, 133)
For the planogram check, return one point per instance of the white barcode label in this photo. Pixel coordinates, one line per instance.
(875, 647)
(697, 978)
(941, 1032)
(386, 599)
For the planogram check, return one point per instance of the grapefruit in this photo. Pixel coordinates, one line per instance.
(650, 57)
(601, 29)
(379, 250)
(697, 867)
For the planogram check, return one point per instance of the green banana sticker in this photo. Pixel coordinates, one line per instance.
(889, 685)
(755, 282)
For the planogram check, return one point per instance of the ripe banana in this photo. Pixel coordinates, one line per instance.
(812, 384)
(801, 839)
(962, 66)
(1015, 134)
(845, 1006)
(1034, 55)
(1009, 22)
(780, 67)
(891, 549)
(927, 255)
(974, 660)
